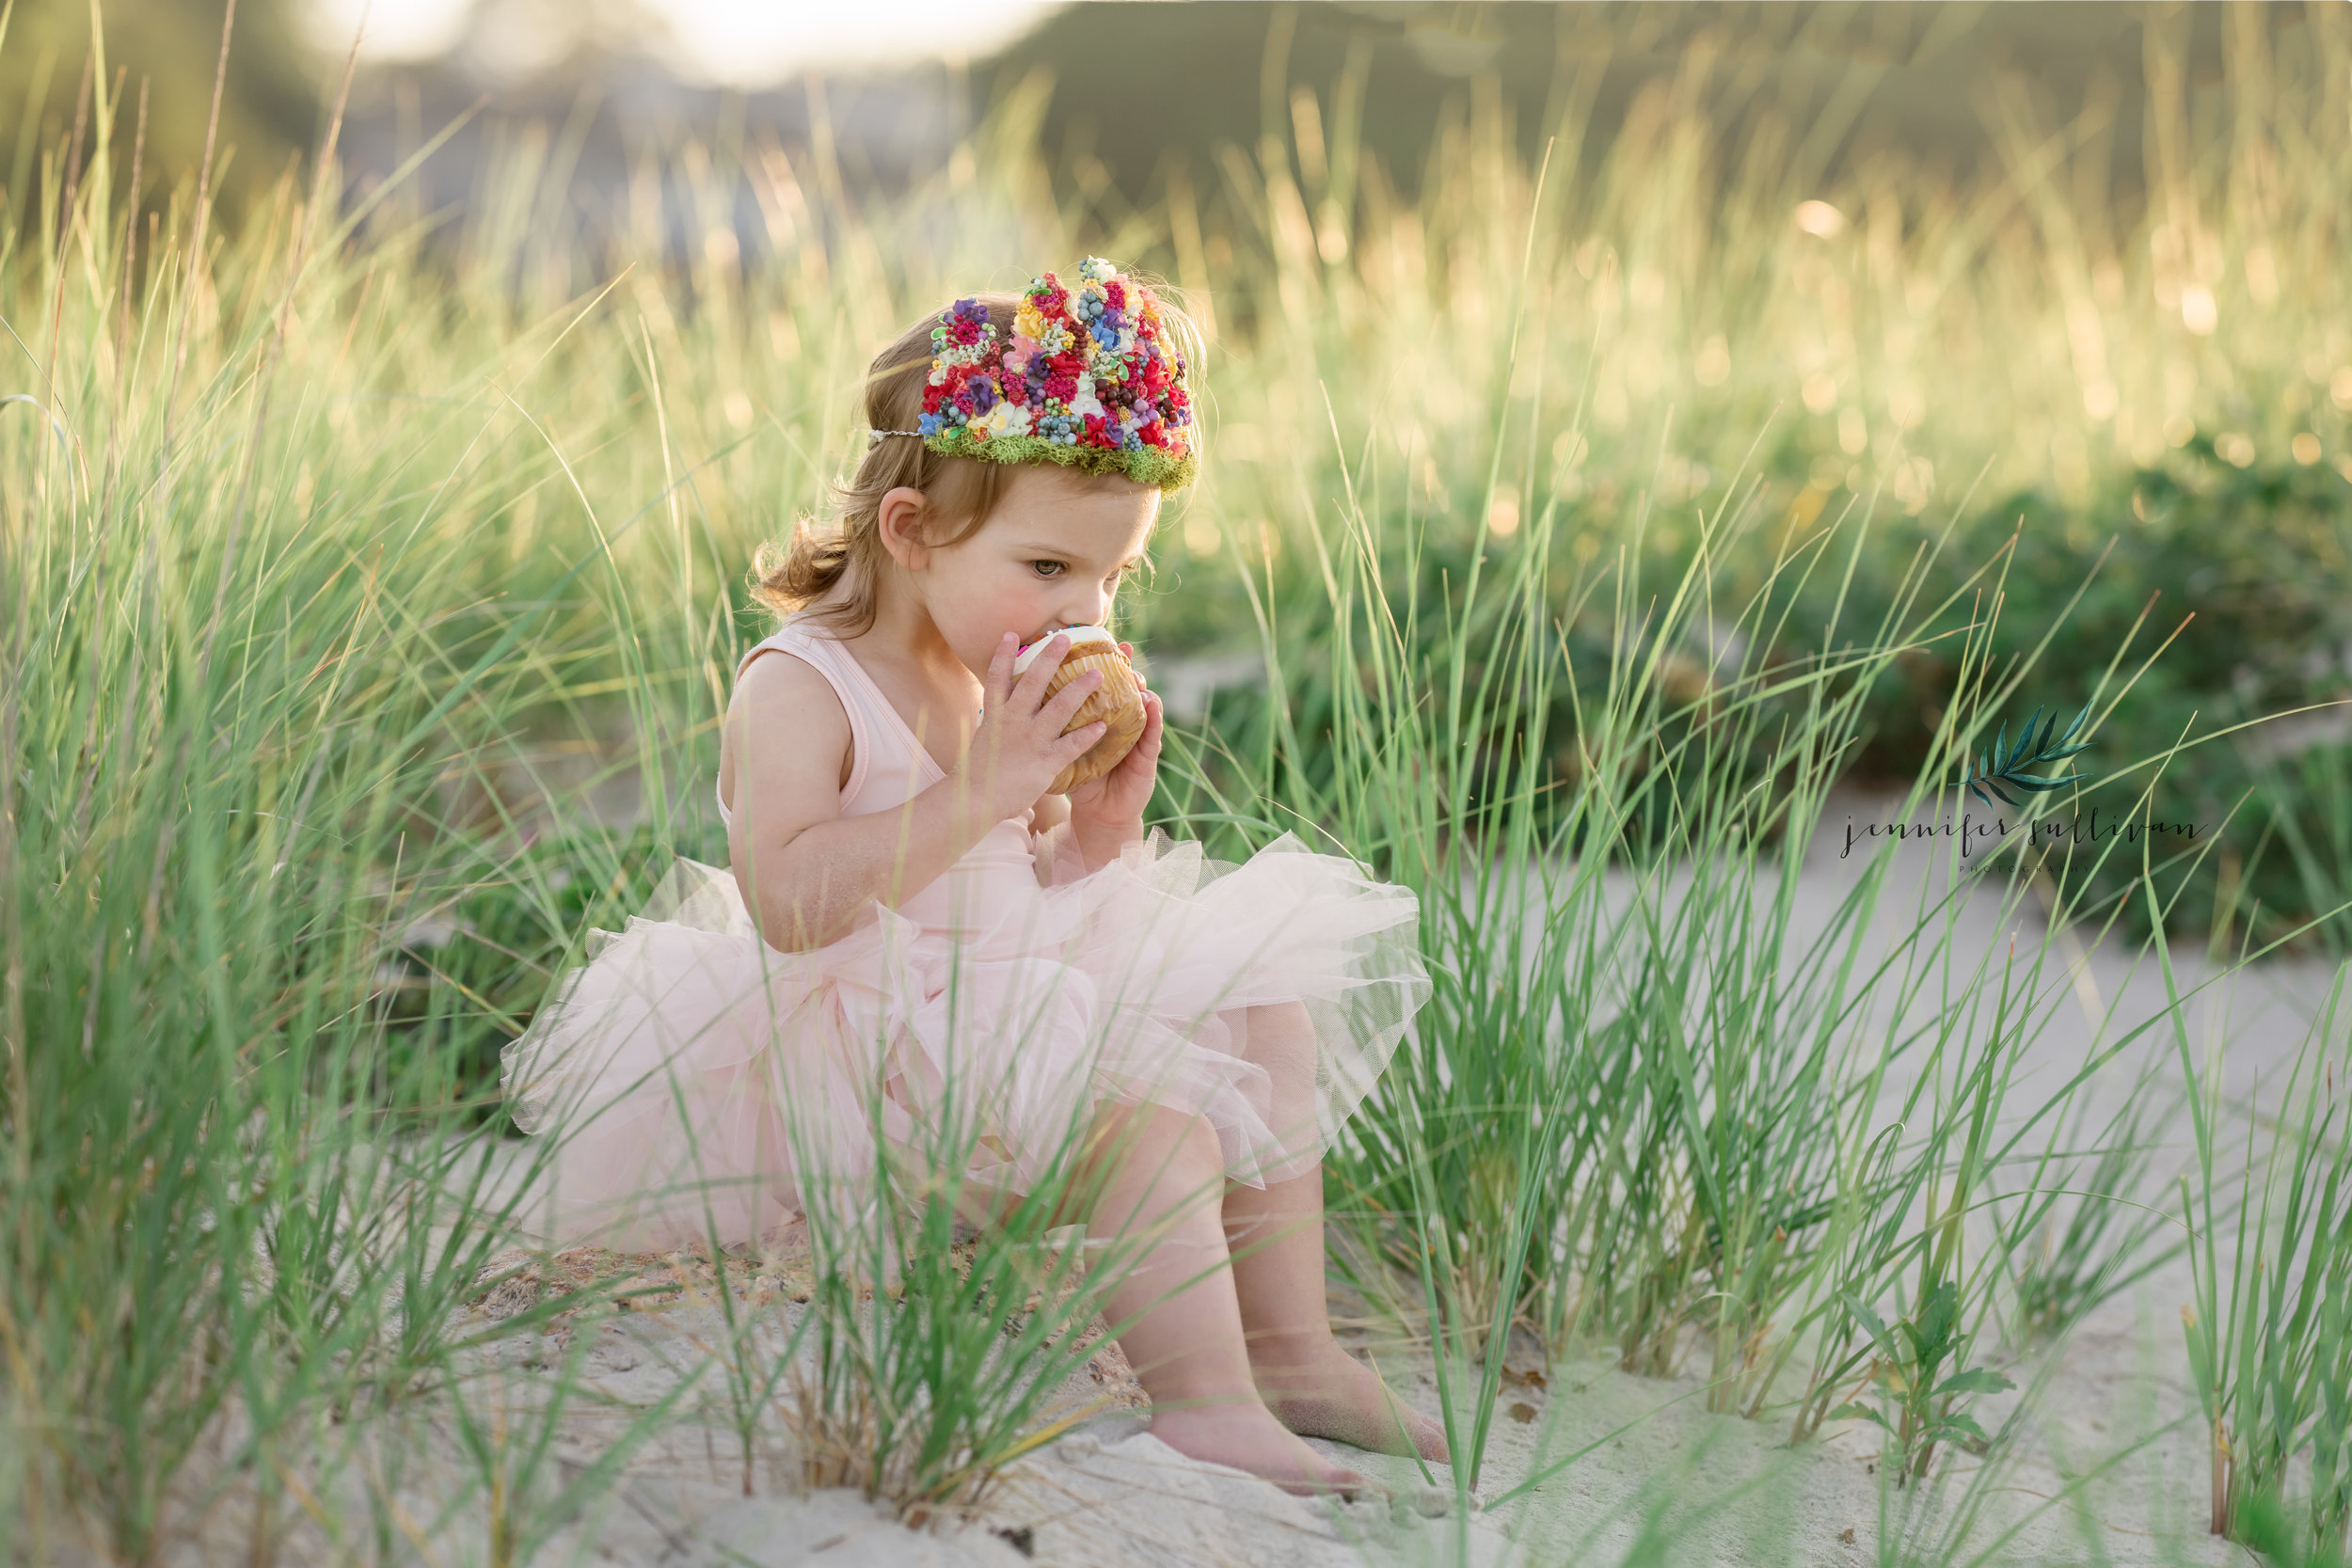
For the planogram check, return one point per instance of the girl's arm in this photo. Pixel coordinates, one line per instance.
(806, 871)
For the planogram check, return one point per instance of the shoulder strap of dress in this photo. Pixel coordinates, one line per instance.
(833, 662)
(789, 636)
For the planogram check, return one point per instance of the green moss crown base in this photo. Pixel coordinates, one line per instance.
(1145, 465)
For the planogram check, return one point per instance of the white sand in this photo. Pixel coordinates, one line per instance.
(1696, 1487)
(1683, 1485)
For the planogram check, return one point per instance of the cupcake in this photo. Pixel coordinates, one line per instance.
(1118, 702)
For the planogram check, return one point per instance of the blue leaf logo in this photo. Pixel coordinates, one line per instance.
(2005, 764)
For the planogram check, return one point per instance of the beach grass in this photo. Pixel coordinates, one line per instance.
(374, 581)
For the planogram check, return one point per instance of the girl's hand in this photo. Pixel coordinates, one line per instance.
(1114, 802)
(1020, 747)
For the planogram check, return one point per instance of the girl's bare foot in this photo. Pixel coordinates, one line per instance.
(1322, 1391)
(1248, 1437)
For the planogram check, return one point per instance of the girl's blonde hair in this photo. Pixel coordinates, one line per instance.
(961, 492)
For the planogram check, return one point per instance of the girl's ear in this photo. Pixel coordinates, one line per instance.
(898, 519)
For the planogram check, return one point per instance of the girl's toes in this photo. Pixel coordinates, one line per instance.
(1331, 1478)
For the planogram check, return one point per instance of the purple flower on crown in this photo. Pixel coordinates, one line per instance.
(984, 393)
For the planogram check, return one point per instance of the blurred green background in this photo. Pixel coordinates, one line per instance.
(1940, 273)
(1136, 90)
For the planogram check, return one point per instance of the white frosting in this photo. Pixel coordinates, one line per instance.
(1078, 635)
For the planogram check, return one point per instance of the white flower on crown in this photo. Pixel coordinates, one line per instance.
(1084, 402)
(1005, 419)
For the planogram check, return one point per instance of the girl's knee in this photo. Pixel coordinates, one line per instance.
(1281, 1037)
(1121, 1124)
(1149, 1138)
(1281, 1017)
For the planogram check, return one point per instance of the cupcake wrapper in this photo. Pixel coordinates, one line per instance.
(1118, 702)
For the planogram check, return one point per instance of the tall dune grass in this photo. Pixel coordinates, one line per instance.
(367, 569)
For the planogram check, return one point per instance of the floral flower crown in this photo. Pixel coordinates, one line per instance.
(1090, 381)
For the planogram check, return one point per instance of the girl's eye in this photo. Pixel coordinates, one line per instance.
(1060, 567)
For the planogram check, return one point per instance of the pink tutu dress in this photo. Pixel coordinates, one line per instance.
(696, 1082)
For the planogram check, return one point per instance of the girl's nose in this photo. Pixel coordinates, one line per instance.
(1092, 609)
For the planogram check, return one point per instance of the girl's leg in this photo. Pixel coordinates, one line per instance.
(1276, 1235)
(1186, 1346)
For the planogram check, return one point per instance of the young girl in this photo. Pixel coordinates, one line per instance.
(911, 907)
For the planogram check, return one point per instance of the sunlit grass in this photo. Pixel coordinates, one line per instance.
(375, 582)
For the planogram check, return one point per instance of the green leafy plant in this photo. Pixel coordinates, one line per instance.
(1909, 1371)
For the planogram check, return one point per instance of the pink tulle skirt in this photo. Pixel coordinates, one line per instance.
(697, 1084)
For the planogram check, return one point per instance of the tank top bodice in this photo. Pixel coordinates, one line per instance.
(889, 766)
